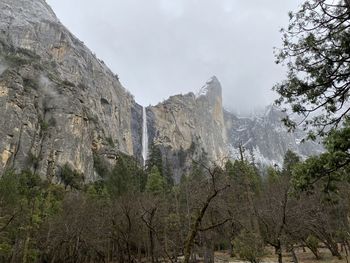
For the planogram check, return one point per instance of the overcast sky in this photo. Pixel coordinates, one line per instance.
(165, 47)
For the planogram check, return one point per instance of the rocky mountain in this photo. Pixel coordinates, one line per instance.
(190, 126)
(60, 105)
(265, 138)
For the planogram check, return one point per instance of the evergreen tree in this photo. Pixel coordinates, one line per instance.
(71, 178)
(329, 167)
(316, 51)
(155, 183)
(125, 176)
(289, 161)
(272, 175)
(154, 159)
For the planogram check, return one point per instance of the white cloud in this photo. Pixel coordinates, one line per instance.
(163, 47)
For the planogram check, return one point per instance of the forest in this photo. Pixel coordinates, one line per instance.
(136, 214)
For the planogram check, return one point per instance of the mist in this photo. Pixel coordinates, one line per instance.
(165, 47)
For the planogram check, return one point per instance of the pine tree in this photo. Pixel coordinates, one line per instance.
(154, 159)
(155, 183)
(316, 52)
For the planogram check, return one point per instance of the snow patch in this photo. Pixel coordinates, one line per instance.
(205, 89)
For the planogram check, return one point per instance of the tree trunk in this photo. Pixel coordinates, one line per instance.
(232, 251)
(209, 252)
(315, 252)
(333, 248)
(25, 249)
(194, 229)
(294, 256)
(151, 240)
(278, 251)
(346, 252)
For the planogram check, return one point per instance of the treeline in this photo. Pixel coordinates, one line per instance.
(136, 215)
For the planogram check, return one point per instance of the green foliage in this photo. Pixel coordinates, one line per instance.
(71, 178)
(249, 246)
(9, 188)
(30, 184)
(289, 161)
(329, 167)
(40, 221)
(154, 159)
(272, 175)
(164, 168)
(126, 176)
(243, 173)
(5, 251)
(316, 51)
(44, 125)
(312, 242)
(97, 190)
(229, 168)
(155, 183)
(26, 202)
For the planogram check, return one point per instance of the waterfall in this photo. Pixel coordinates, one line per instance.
(144, 136)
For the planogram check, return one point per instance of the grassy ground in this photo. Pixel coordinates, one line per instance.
(303, 257)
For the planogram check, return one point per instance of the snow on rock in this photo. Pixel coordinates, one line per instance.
(206, 88)
(265, 138)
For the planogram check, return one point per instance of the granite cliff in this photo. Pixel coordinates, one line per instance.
(265, 138)
(59, 105)
(190, 126)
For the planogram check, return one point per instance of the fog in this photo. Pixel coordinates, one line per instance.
(165, 47)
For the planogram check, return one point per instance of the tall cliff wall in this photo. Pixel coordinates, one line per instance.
(59, 104)
(190, 127)
(265, 138)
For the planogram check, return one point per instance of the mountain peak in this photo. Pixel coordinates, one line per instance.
(212, 87)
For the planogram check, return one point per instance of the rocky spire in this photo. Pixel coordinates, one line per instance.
(211, 88)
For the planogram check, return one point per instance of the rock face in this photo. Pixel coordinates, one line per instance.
(265, 138)
(190, 126)
(59, 104)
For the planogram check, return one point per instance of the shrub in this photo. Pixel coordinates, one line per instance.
(249, 246)
(71, 177)
(44, 125)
